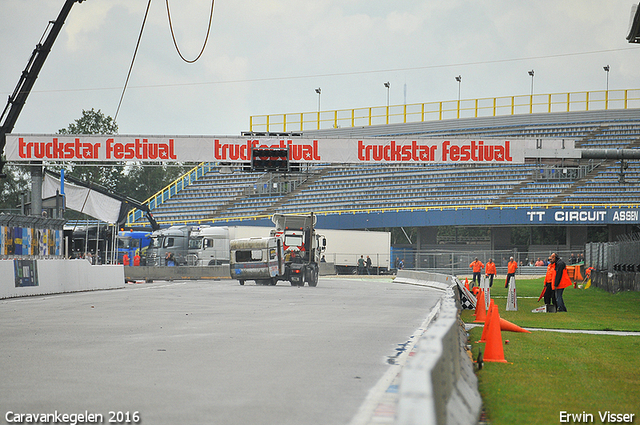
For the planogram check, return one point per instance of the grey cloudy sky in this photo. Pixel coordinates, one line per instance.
(268, 56)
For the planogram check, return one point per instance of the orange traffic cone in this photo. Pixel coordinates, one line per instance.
(466, 284)
(485, 328)
(494, 351)
(506, 325)
(481, 313)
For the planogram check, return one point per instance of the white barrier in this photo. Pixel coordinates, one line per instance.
(438, 384)
(59, 276)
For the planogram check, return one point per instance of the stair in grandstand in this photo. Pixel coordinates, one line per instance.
(268, 193)
(509, 194)
(597, 167)
(309, 181)
(591, 135)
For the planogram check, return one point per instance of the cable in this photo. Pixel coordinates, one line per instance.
(338, 74)
(175, 43)
(135, 53)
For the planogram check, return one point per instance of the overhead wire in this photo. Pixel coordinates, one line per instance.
(135, 53)
(345, 73)
(173, 36)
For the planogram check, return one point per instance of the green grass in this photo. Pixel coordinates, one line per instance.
(550, 372)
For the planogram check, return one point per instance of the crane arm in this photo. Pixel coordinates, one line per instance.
(28, 77)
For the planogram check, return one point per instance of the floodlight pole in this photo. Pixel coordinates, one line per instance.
(459, 80)
(531, 73)
(387, 85)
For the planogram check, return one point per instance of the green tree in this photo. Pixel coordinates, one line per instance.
(95, 122)
(91, 122)
(135, 180)
(17, 182)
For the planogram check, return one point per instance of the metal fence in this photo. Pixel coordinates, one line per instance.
(613, 255)
(457, 262)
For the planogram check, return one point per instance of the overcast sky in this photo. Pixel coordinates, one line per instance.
(268, 56)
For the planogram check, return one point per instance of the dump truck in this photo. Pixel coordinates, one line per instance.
(302, 248)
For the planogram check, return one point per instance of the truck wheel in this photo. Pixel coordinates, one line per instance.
(313, 277)
(242, 282)
(273, 281)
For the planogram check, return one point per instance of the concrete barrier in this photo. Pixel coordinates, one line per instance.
(151, 273)
(22, 277)
(438, 384)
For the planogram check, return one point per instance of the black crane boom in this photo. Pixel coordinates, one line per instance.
(28, 77)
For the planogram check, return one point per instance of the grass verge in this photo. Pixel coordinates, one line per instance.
(549, 372)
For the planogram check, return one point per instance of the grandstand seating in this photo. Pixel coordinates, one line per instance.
(371, 187)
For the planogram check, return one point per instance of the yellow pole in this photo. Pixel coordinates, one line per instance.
(587, 101)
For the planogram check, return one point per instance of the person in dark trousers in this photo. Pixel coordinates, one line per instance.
(477, 266)
(549, 294)
(561, 280)
(368, 265)
(490, 270)
(511, 271)
(361, 265)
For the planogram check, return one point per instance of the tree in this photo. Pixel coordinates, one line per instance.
(91, 122)
(95, 122)
(137, 181)
(13, 186)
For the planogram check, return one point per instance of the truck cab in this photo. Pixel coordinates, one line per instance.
(132, 243)
(174, 239)
(303, 247)
(208, 246)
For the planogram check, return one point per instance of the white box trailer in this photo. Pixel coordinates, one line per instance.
(344, 248)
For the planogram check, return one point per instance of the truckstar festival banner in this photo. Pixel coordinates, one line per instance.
(238, 149)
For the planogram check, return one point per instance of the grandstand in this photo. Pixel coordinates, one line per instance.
(368, 196)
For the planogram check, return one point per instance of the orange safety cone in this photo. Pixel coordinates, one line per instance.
(466, 284)
(494, 351)
(481, 313)
(485, 328)
(506, 325)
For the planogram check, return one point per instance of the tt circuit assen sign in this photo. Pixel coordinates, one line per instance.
(237, 149)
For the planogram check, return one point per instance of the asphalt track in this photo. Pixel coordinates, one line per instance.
(203, 352)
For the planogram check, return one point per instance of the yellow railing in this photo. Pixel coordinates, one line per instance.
(452, 109)
(135, 215)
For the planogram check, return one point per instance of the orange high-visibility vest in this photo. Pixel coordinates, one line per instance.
(491, 268)
(564, 280)
(513, 266)
(476, 266)
(551, 273)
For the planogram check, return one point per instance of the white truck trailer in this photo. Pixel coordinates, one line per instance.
(344, 248)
